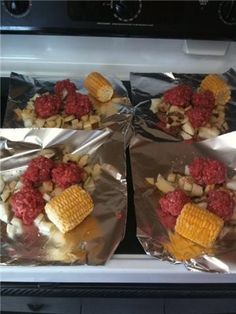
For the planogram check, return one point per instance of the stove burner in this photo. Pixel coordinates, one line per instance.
(17, 8)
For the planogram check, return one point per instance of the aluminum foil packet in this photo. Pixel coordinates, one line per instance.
(23, 91)
(177, 122)
(101, 154)
(151, 162)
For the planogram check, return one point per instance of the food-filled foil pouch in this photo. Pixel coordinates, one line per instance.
(23, 91)
(148, 88)
(151, 159)
(101, 154)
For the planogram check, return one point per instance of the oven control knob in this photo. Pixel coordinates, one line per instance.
(227, 12)
(17, 8)
(126, 11)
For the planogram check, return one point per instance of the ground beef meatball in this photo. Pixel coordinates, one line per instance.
(166, 219)
(27, 204)
(77, 105)
(179, 95)
(38, 171)
(205, 100)
(67, 174)
(199, 116)
(221, 204)
(64, 88)
(47, 106)
(207, 171)
(173, 202)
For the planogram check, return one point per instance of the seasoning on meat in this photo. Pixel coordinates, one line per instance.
(64, 88)
(78, 105)
(207, 171)
(47, 106)
(221, 204)
(173, 202)
(67, 174)
(38, 171)
(179, 95)
(27, 204)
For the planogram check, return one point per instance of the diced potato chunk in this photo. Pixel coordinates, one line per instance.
(171, 177)
(150, 181)
(17, 223)
(163, 185)
(4, 212)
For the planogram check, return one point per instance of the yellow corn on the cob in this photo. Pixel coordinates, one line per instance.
(218, 87)
(198, 225)
(183, 249)
(69, 208)
(98, 87)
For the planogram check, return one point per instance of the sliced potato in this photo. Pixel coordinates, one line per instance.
(46, 227)
(69, 118)
(6, 193)
(51, 123)
(47, 152)
(11, 231)
(89, 184)
(197, 190)
(53, 118)
(40, 122)
(38, 219)
(4, 212)
(85, 118)
(17, 223)
(28, 123)
(231, 184)
(150, 181)
(172, 177)
(163, 185)
(84, 160)
(87, 125)
(18, 113)
(185, 135)
(2, 184)
(205, 132)
(96, 171)
(154, 104)
(188, 128)
(46, 197)
(12, 185)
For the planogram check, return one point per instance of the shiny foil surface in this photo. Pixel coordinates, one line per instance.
(149, 157)
(94, 240)
(146, 86)
(22, 88)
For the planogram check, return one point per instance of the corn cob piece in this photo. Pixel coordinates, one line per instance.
(198, 225)
(69, 208)
(98, 87)
(183, 249)
(218, 87)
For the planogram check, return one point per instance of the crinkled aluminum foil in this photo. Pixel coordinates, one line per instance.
(145, 86)
(22, 88)
(150, 157)
(94, 241)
